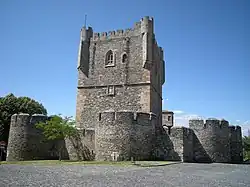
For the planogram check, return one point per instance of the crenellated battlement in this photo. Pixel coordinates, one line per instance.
(24, 119)
(234, 128)
(210, 122)
(115, 34)
(145, 25)
(124, 134)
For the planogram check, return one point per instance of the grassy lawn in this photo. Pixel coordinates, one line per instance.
(68, 162)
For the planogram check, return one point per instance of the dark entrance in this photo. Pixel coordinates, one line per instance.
(3, 150)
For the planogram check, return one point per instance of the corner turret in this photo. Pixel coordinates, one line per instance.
(147, 33)
(83, 55)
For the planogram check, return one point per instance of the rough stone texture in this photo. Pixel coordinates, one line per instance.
(236, 149)
(26, 142)
(211, 141)
(137, 82)
(167, 118)
(108, 96)
(182, 139)
(123, 135)
(79, 148)
(164, 149)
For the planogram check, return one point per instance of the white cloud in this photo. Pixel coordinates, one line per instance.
(178, 112)
(237, 120)
(183, 120)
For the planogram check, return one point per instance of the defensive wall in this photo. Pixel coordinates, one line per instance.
(123, 135)
(26, 142)
(236, 149)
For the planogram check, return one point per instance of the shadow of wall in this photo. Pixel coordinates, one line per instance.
(199, 153)
(164, 146)
(77, 148)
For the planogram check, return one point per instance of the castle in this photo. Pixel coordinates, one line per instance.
(119, 107)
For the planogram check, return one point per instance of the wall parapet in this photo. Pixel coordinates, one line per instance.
(209, 122)
(119, 33)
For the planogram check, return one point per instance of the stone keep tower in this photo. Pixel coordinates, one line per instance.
(120, 70)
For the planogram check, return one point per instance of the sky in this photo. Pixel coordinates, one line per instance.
(206, 49)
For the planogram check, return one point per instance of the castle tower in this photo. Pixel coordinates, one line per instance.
(123, 135)
(25, 138)
(119, 70)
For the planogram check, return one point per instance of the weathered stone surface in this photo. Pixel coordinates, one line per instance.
(121, 74)
(167, 118)
(123, 135)
(182, 139)
(78, 147)
(26, 142)
(236, 150)
(212, 140)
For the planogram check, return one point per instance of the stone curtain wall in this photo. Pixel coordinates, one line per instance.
(113, 135)
(78, 146)
(24, 139)
(122, 135)
(143, 136)
(26, 142)
(236, 149)
(182, 139)
(223, 142)
(214, 140)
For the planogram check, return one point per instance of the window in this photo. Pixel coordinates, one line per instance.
(124, 58)
(111, 90)
(110, 59)
(169, 118)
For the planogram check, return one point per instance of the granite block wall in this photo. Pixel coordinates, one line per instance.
(80, 146)
(182, 139)
(26, 142)
(135, 83)
(123, 135)
(236, 149)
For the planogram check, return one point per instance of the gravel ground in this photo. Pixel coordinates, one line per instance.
(185, 174)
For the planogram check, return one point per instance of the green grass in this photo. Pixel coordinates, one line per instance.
(64, 162)
(68, 162)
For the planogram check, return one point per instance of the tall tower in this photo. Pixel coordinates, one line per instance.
(119, 70)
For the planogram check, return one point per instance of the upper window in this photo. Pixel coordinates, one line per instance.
(169, 118)
(110, 59)
(124, 58)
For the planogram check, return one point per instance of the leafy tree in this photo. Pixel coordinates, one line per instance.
(58, 128)
(10, 105)
(246, 147)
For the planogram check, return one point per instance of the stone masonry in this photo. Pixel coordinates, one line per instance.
(119, 108)
(26, 142)
(119, 70)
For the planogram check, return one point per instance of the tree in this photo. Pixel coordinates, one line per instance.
(58, 128)
(10, 105)
(246, 147)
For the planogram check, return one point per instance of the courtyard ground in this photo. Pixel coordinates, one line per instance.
(125, 174)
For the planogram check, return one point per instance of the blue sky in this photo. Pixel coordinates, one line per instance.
(206, 46)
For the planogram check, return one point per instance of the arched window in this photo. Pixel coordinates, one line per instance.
(124, 58)
(109, 60)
